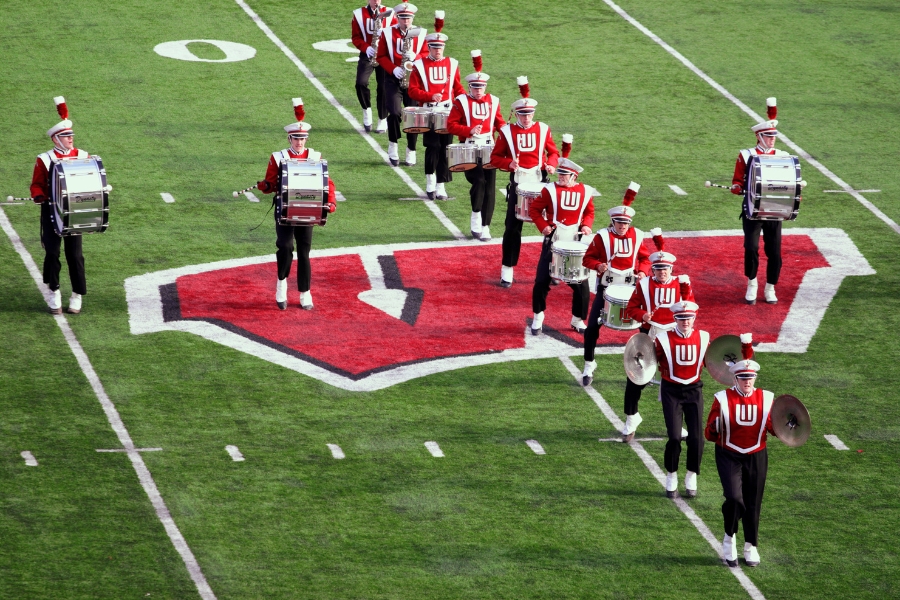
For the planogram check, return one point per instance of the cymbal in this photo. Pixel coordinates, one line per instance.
(721, 354)
(640, 359)
(790, 420)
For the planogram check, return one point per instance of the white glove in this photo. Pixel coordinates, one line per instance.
(370, 51)
(409, 56)
(399, 72)
(684, 279)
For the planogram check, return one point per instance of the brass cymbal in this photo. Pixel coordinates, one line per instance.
(640, 359)
(721, 354)
(790, 420)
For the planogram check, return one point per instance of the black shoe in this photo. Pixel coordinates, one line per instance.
(505, 284)
(430, 195)
(672, 494)
(281, 305)
(587, 380)
(731, 563)
(368, 128)
(579, 330)
(628, 438)
(690, 493)
(536, 331)
(55, 311)
(394, 162)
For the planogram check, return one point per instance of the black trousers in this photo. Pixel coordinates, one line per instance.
(683, 403)
(363, 73)
(436, 155)
(581, 292)
(771, 233)
(483, 192)
(743, 478)
(74, 256)
(512, 234)
(285, 254)
(395, 98)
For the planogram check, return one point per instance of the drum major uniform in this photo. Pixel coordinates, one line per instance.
(365, 29)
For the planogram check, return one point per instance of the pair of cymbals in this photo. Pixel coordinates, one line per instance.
(640, 359)
(790, 420)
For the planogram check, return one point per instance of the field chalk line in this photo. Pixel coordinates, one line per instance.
(654, 469)
(434, 449)
(445, 221)
(167, 197)
(836, 442)
(234, 453)
(536, 447)
(30, 460)
(115, 421)
(800, 151)
(336, 451)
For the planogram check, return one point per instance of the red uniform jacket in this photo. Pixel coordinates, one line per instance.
(532, 147)
(390, 52)
(681, 359)
(564, 205)
(627, 251)
(40, 177)
(740, 423)
(431, 77)
(362, 26)
(273, 171)
(466, 113)
(652, 296)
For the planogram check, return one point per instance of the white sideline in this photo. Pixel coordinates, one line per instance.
(167, 198)
(434, 449)
(836, 442)
(30, 460)
(800, 151)
(657, 473)
(115, 421)
(446, 222)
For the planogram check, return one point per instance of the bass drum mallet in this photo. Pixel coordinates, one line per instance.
(236, 194)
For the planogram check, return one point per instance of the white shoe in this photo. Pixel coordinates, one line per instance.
(506, 276)
(393, 154)
(382, 126)
(306, 300)
(537, 323)
(367, 119)
(440, 192)
(485, 234)
(769, 294)
(578, 325)
(74, 304)
(672, 484)
(729, 551)
(751, 555)
(410, 157)
(690, 484)
(56, 302)
(281, 293)
(430, 184)
(752, 287)
(475, 225)
(587, 377)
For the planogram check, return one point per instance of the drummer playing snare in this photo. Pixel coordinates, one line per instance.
(569, 207)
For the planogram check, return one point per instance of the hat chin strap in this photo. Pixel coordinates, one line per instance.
(57, 145)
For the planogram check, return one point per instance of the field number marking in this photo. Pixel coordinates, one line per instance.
(179, 50)
(836, 442)
(336, 451)
(30, 460)
(535, 447)
(234, 453)
(434, 449)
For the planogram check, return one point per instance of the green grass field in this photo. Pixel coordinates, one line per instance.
(491, 519)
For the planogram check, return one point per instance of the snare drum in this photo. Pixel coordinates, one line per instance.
(416, 119)
(565, 263)
(439, 120)
(526, 193)
(773, 188)
(303, 195)
(80, 197)
(484, 156)
(461, 157)
(615, 300)
(566, 233)
(617, 277)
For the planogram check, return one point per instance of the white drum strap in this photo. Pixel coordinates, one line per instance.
(420, 67)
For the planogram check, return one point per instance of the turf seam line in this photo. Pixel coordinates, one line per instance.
(445, 221)
(836, 442)
(660, 477)
(115, 421)
(30, 460)
(800, 151)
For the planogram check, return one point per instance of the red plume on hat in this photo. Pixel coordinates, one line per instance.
(476, 60)
(771, 108)
(566, 144)
(61, 107)
(299, 113)
(747, 346)
(630, 193)
(438, 21)
(522, 82)
(658, 240)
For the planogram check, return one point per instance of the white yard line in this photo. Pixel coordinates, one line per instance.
(619, 440)
(434, 449)
(660, 477)
(131, 450)
(115, 421)
(167, 198)
(677, 190)
(757, 118)
(234, 453)
(251, 196)
(446, 222)
(836, 442)
(30, 460)
(336, 451)
(851, 191)
(535, 447)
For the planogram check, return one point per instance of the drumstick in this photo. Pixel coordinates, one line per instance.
(724, 187)
(13, 199)
(236, 194)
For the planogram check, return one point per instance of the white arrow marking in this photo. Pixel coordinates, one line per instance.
(434, 449)
(386, 300)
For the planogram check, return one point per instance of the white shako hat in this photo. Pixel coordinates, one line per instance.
(625, 213)
(768, 127)
(477, 79)
(565, 165)
(405, 9)
(660, 259)
(437, 38)
(684, 309)
(298, 129)
(64, 127)
(525, 104)
(746, 368)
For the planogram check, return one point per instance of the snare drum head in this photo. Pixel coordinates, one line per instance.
(570, 249)
(530, 189)
(620, 294)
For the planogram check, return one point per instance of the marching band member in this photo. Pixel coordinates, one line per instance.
(434, 83)
(298, 133)
(63, 147)
(681, 353)
(650, 305)
(771, 230)
(569, 206)
(363, 28)
(474, 118)
(624, 244)
(393, 59)
(738, 422)
(526, 149)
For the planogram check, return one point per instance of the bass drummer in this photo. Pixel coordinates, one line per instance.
(766, 133)
(569, 207)
(298, 133)
(63, 147)
(618, 255)
(474, 118)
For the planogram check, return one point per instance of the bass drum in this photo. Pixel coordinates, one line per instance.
(303, 195)
(773, 188)
(80, 196)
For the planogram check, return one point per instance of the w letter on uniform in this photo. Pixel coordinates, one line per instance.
(526, 142)
(745, 415)
(481, 110)
(437, 74)
(570, 200)
(685, 355)
(623, 248)
(665, 297)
